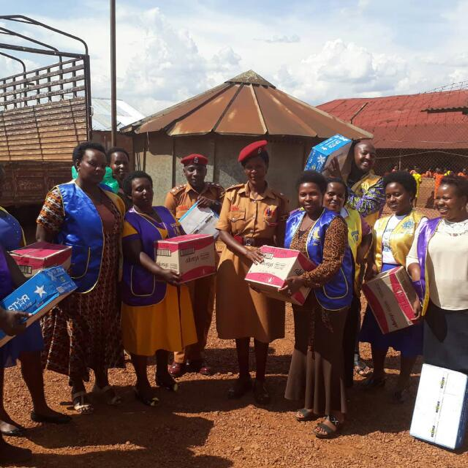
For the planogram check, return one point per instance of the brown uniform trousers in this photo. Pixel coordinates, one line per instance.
(202, 291)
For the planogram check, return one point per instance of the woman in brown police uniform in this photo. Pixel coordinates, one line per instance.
(252, 215)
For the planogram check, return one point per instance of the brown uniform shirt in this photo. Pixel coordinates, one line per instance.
(241, 215)
(181, 198)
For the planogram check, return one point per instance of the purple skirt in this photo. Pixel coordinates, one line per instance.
(409, 341)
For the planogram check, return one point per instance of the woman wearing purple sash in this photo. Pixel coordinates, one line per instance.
(157, 314)
(438, 264)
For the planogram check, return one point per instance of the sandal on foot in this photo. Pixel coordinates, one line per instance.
(329, 432)
(361, 368)
(373, 382)
(152, 401)
(112, 399)
(261, 395)
(239, 388)
(81, 403)
(167, 382)
(305, 414)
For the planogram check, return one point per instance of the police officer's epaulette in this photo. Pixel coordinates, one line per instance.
(280, 195)
(177, 189)
(234, 187)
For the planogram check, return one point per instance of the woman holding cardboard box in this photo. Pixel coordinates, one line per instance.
(85, 333)
(316, 374)
(252, 215)
(157, 315)
(393, 236)
(438, 262)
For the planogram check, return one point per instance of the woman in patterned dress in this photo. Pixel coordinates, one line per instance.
(85, 332)
(316, 374)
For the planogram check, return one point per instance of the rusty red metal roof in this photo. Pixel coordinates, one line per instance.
(436, 120)
(246, 105)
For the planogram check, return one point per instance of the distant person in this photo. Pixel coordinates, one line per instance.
(202, 291)
(438, 176)
(394, 168)
(463, 173)
(416, 173)
(429, 173)
(119, 162)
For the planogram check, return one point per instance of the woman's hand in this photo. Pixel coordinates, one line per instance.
(170, 276)
(254, 255)
(13, 322)
(204, 202)
(371, 272)
(334, 168)
(293, 284)
(417, 308)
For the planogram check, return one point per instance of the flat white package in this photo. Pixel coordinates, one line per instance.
(441, 409)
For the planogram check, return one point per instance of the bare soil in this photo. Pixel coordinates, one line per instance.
(199, 427)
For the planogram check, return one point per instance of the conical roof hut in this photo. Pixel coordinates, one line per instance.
(221, 121)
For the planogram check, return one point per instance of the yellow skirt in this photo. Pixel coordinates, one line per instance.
(168, 325)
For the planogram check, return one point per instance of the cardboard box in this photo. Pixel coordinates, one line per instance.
(36, 257)
(321, 155)
(200, 221)
(391, 295)
(441, 410)
(278, 265)
(192, 256)
(38, 295)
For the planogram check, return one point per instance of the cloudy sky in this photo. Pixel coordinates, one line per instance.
(316, 50)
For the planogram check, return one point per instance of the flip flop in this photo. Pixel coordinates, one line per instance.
(361, 368)
(81, 403)
(112, 399)
(305, 414)
(330, 432)
(153, 401)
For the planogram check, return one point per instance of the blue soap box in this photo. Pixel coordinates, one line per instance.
(321, 155)
(38, 295)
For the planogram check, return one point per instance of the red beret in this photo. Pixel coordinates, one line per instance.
(194, 159)
(253, 149)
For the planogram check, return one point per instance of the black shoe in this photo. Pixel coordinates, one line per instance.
(167, 382)
(57, 419)
(240, 387)
(261, 395)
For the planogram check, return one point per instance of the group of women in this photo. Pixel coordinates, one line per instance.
(337, 225)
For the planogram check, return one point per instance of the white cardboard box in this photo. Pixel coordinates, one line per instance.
(192, 255)
(38, 295)
(278, 265)
(441, 409)
(36, 257)
(335, 147)
(200, 221)
(390, 296)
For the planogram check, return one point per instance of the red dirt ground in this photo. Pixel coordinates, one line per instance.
(199, 427)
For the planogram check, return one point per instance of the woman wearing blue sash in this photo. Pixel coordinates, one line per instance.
(438, 262)
(84, 333)
(393, 236)
(157, 314)
(27, 346)
(316, 374)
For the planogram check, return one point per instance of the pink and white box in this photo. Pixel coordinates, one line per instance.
(192, 255)
(279, 265)
(390, 296)
(41, 255)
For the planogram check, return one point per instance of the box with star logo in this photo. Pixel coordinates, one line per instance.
(36, 257)
(322, 154)
(278, 265)
(38, 295)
